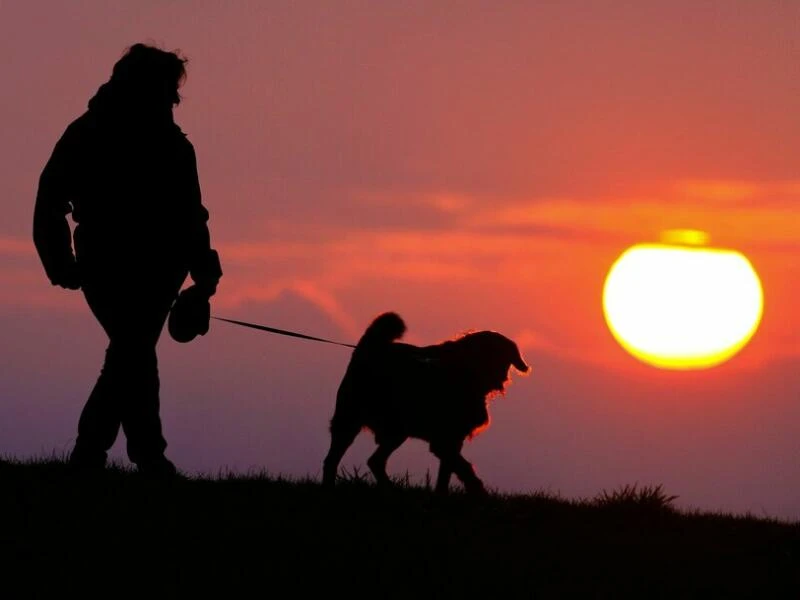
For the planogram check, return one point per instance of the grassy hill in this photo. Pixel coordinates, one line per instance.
(269, 537)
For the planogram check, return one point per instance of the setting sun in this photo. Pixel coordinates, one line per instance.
(679, 304)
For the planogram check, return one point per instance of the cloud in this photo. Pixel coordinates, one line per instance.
(732, 192)
(302, 308)
(644, 219)
(533, 265)
(721, 191)
(327, 304)
(12, 246)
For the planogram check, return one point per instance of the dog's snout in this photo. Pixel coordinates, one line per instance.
(519, 363)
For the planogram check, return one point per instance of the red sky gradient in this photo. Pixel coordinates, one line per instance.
(478, 168)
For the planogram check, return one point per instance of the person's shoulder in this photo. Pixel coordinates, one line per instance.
(85, 121)
(77, 130)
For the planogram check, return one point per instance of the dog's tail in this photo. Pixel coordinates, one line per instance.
(385, 329)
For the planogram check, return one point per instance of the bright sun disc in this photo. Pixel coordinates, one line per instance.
(680, 305)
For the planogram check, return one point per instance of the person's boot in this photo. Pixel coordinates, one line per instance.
(87, 461)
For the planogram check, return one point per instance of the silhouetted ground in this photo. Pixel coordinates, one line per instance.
(120, 535)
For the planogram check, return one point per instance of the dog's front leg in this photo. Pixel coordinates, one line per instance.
(447, 453)
(466, 473)
(451, 461)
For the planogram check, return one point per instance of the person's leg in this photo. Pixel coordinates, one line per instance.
(99, 421)
(140, 406)
(127, 391)
(140, 417)
(100, 418)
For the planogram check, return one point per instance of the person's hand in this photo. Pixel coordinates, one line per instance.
(207, 273)
(190, 315)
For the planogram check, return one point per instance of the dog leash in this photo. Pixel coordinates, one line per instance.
(282, 331)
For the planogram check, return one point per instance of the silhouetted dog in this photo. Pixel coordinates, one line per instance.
(435, 393)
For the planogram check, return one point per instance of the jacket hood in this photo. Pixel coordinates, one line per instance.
(126, 107)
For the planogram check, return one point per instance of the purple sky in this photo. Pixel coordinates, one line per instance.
(478, 168)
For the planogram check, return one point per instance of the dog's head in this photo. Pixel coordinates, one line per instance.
(491, 356)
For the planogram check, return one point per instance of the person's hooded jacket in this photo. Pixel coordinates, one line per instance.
(128, 175)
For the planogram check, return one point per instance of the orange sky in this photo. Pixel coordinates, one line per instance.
(479, 168)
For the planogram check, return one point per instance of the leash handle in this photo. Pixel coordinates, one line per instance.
(282, 332)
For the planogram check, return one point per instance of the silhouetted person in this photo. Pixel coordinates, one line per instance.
(128, 175)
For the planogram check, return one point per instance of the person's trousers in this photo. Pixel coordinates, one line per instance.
(127, 391)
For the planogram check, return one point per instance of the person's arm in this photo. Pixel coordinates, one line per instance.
(204, 265)
(51, 233)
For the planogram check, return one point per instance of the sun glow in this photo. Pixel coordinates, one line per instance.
(681, 305)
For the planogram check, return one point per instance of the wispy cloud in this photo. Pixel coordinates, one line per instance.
(768, 194)
(14, 246)
(545, 258)
(770, 221)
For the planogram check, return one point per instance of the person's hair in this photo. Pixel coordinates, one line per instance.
(145, 76)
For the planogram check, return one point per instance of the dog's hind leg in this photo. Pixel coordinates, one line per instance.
(341, 439)
(377, 462)
(443, 478)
